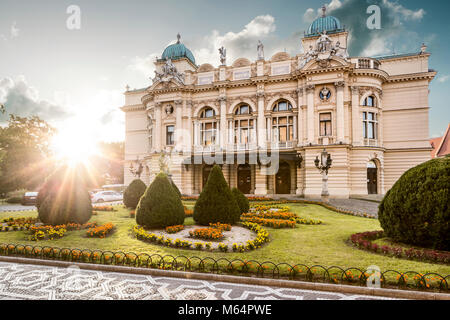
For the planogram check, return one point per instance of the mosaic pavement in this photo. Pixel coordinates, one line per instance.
(30, 282)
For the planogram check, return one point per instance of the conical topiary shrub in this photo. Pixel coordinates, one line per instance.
(64, 198)
(174, 186)
(160, 205)
(216, 203)
(241, 200)
(133, 193)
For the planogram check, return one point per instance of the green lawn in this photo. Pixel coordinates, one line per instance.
(322, 244)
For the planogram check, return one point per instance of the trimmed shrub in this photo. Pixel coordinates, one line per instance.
(216, 203)
(416, 210)
(133, 193)
(160, 205)
(64, 198)
(14, 200)
(241, 200)
(174, 186)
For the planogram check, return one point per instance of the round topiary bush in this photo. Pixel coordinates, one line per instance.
(64, 198)
(416, 210)
(133, 193)
(241, 200)
(160, 206)
(174, 186)
(216, 203)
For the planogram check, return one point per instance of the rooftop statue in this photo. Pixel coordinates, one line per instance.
(323, 44)
(223, 56)
(308, 56)
(260, 49)
(340, 51)
(169, 71)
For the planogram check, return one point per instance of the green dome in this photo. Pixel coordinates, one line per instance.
(329, 24)
(178, 51)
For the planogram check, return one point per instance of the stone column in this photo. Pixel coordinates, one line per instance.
(223, 122)
(340, 110)
(196, 133)
(190, 140)
(178, 125)
(300, 116)
(157, 131)
(356, 118)
(261, 120)
(310, 112)
(260, 181)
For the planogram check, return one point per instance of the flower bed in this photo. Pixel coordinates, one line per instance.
(271, 215)
(272, 223)
(174, 229)
(104, 208)
(100, 231)
(132, 214)
(365, 241)
(188, 213)
(221, 226)
(207, 234)
(269, 208)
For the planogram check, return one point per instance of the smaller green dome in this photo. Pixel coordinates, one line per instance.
(178, 51)
(326, 23)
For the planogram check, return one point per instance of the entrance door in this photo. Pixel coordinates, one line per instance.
(372, 178)
(245, 179)
(283, 179)
(205, 174)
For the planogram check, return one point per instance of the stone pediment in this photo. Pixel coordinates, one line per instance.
(280, 56)
(166, 84)
(325, 61)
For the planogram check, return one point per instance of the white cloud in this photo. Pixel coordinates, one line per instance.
(14, 32)
(443, 78)
(144, 65)
(403, 12)
(310, 14)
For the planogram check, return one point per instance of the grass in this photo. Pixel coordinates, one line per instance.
(311, 245)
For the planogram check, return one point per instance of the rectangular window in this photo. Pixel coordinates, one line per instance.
(325, 125)
(170, 135)
(369, 125)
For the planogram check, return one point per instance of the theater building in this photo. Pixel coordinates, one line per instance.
(369, 113)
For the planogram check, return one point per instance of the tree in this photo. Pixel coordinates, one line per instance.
(133, 193)
(64, 198)
(25, 153)
(417, 209)
(241, 200)
(160, 205)
(216, 203)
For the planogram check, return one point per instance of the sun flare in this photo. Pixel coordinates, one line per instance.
(73, 146)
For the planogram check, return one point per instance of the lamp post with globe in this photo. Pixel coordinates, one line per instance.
(324, 164)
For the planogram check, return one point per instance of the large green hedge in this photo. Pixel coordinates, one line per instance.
(133, 193)
(64, 198)
(216, 203)
(160, 206)
(416, 210)
(174, 186)
(241, 200)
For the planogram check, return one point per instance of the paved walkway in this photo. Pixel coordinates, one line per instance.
(31, 282)
(19, 207)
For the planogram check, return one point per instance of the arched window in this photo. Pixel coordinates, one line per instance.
(208, 113)
(208, 127)
(282, 123)
(370, 101)
(282, 106)
(243, 109)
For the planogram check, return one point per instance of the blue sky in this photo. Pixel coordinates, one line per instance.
(63, 75)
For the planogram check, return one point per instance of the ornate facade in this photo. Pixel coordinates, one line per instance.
(371, 115)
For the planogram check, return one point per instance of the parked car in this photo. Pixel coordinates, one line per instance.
(106, 196)
(29, 198)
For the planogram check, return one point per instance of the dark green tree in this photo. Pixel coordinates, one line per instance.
(133, 193)
(417, 209)
(64, 198)
(241, 199)
(216, 203)
(160, 205)
(25, 152)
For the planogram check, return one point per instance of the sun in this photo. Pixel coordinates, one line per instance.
(74, 146)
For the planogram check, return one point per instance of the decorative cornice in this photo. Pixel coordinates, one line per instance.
(339, 84)
(310, 88)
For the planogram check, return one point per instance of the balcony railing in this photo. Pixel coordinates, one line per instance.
(371, 143)
(283, 145)
(326, 140)
(366, 63)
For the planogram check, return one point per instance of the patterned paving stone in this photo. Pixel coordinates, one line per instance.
(30, 282)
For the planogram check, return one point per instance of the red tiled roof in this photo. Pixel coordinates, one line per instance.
(441, 146)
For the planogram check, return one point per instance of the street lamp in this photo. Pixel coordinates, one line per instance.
(324, 164)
